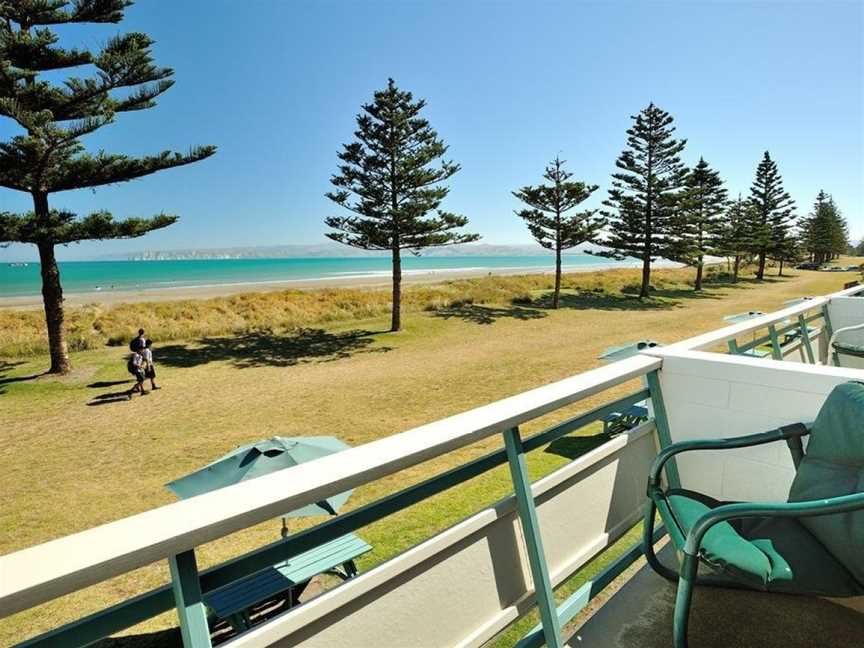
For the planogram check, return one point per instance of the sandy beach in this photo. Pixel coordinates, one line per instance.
(221, 290)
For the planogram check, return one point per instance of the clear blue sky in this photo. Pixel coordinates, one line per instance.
(276, 85)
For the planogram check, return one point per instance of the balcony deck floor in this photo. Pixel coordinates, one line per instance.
(639, 615)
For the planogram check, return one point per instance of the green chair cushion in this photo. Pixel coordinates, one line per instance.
(834, 466)
(773, 554)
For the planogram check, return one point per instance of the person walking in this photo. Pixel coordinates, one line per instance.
(136, 366)
(138, 343)
(149, 367)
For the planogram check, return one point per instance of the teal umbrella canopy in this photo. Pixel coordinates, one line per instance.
(262, 458)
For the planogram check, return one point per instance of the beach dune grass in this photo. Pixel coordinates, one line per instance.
(22, 332)
(76, 455)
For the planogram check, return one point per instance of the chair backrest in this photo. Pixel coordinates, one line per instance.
(834, 466)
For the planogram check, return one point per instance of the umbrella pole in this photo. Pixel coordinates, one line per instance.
(284, 528)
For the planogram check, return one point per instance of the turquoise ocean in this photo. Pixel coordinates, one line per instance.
(18, 280)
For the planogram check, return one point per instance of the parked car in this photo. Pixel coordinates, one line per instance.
(807, 266)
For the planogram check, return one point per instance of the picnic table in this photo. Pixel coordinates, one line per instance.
(286, 579)
(628, 419)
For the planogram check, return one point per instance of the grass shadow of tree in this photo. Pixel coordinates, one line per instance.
(477, 314)
(266, 348)
(590, 300)
(7, 366)
(573, 447)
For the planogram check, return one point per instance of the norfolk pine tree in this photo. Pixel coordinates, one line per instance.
(644, 195)
(772, 214)
(734, 235)
(390, 179)
(697, 230)
(547, 217)
(824, 232)
(47, 156)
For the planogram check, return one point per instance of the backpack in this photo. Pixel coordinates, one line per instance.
(130, 365)
(136, 345)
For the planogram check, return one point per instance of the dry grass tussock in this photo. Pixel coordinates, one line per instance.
(22, 333)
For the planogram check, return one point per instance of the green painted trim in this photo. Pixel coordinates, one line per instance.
(104, 623)
(191, 610)
(533, 541)
(661, 420)
(733, 347)
(805, 339)
(776, 350)
(126, 614)
(754, 343)
(577, 601)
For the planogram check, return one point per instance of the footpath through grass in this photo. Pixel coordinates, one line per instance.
(77, 454)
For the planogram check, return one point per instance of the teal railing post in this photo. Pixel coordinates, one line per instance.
(805, 339)
(733, 347)
(826, 318)
(533, 541)
(831, 356)
(776, 351)
(661, 421)
(187, 595)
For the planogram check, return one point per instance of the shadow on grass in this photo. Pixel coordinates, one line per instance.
(109, 383)
(269, 349)
(488, 314)
(110, 397)
(588, 300)
(573, 447)
(5, 367)
(161, 639)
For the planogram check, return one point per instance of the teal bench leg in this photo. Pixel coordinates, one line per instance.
(187, 596)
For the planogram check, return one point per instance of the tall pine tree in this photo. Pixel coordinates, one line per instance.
(547, 217)
(735, 237)
(644, 195)
(824, 232)
(48, 156)
(772, 214)
(390, 178)
(697, 230)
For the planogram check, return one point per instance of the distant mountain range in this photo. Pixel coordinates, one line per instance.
(329, 250)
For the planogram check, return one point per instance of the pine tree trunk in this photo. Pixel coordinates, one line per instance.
(52, 295)
(698, 285)
(646, 276)
(780, 273)
(760, 272)
(556, 297)
(396, 314)
(735, 271)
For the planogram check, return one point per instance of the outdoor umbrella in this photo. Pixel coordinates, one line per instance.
(261, 458)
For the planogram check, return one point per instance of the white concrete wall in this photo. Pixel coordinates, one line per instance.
(848, 311)
(466, 584)
(710, 395)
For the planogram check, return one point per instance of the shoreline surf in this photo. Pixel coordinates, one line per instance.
(375, 279)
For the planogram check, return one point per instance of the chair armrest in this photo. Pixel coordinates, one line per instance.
(810, 508)
(780, 434)
(845, 329)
